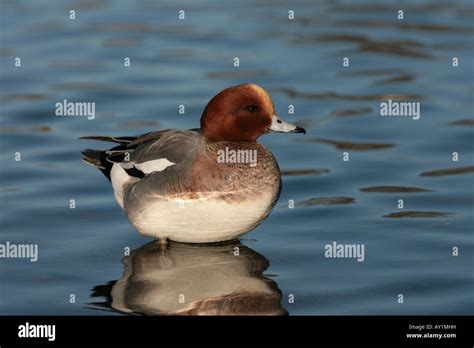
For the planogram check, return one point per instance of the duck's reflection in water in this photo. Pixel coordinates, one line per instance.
(190, 279)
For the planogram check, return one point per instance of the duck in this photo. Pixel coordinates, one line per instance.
(194, 279)
(206, 185)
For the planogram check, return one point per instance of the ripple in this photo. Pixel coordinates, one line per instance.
(41, 129)
(351, 112)
(73, 64)
(177, 29)
(292, 92)
(46, 27)
(45, 165)
(240, 74)
(176, 53)
(371, 72)
(426, 27)
(372, 7)
(398, 76)
(120, 42)
(394, 189)
(449, 171)
(124, 27)
(400, 48)
(92, 86)
(405, 77)
(344, 145)
(418, 214)
(325, 201)
(462, 122)
(29, 97)
(15, 130)
(301, 172)
(85, 85)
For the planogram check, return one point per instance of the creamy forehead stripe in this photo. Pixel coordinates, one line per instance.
(264, 94)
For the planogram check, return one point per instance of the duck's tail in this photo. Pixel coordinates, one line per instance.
(98, 160)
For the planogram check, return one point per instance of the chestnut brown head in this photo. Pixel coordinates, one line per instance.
(242, 113)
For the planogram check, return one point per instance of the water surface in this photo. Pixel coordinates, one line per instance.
(407, 251)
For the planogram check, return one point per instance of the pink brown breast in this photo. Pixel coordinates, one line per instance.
(231, 181)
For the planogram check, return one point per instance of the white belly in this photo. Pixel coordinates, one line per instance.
(201, 221)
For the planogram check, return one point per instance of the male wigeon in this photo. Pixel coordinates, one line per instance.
(214, 281)
(203, 185)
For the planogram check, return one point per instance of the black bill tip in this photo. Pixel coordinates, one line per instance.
(299, 130)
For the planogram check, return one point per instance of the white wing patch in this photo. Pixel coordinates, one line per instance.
(119, 177)
(153, 166)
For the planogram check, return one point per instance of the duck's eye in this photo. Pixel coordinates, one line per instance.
(251, 108)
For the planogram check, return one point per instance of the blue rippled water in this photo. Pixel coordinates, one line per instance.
(408, 251)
